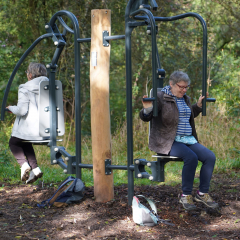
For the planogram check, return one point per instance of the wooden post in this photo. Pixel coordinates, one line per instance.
(100, 112)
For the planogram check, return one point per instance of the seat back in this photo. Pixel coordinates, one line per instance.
(43, 106)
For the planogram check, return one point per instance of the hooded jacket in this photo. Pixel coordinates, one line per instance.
(26, 125)
(164, 126)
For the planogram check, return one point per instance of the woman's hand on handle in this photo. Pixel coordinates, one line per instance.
(146, 104)
(199, 102)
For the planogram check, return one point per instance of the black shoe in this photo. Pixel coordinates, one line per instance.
(187, 202)
(207, 200)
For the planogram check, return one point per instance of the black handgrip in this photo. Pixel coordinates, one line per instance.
(148, 99)
(210, 99)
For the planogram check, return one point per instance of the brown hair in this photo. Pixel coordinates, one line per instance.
(37, 70)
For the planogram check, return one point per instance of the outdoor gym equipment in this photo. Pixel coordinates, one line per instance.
(132, 21)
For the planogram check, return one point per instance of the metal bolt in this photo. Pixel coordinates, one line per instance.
(45, 88)
(65, 170)
(66, 158)
(55, 149)
(46, 131)
(56, 43)
(139, 175)
(137, 162)
(148, 164)
(48, 66)
(93, 15)
(58, 109)
(106, 12)
(46, 26)
(57, 87)
(46, 109)
(54, 161)
(148, 32)
(58, 130)
(141, 6)
(151, 178)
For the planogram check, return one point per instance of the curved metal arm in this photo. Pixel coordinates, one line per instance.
(133, 5)
(76, 32)
(154, 57)
(204, 52)
(61, 21)
(16, 69)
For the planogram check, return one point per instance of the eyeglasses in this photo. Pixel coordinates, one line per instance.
(26, 72)
(182, 87)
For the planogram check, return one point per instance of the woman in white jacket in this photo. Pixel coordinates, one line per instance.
(26, 125)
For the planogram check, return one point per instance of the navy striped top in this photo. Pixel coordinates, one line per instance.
(184, 127)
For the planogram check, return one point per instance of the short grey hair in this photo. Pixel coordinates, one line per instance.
(178, 76)
(37, 70)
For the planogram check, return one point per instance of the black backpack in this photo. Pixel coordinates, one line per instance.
(71, 190)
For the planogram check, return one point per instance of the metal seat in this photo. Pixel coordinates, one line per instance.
(41, 142)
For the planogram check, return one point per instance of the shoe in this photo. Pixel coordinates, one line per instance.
(25, 171)
(37, 171)
(187, 202)
(32, 178)
(34, 175)
(207, 200)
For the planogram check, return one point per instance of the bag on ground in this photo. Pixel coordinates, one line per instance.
(145, 217)
(71, 190)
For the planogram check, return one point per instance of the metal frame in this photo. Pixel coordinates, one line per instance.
(134, 7)
(59, 41)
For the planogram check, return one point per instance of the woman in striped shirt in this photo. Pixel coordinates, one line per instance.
(173, 133)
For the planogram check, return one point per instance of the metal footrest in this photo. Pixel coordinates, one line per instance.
(157, 167)
(139, 168)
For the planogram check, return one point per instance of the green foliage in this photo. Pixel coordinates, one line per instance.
(226, 80)
(215, 131)
(179, 44)
(180, 47)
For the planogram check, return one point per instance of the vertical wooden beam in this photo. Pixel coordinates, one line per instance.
(100, 110)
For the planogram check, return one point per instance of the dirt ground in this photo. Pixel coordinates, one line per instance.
(20, 218)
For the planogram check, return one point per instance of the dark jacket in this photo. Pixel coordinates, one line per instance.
(164, 126)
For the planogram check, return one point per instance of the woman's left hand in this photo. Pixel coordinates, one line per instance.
(199, 102)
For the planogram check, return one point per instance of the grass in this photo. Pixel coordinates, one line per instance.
(216, 131)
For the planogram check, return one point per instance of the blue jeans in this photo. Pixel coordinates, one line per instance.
(190, 155)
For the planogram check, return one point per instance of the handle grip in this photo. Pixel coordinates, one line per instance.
(148, 99)
(210, 99)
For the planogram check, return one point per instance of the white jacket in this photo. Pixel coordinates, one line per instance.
(26, 125)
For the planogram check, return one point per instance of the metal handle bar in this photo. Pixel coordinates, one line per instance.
(154, 58)
(211, 100)
(204, 52)
(148, 99)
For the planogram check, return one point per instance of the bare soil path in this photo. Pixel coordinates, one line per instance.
(20, 218)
